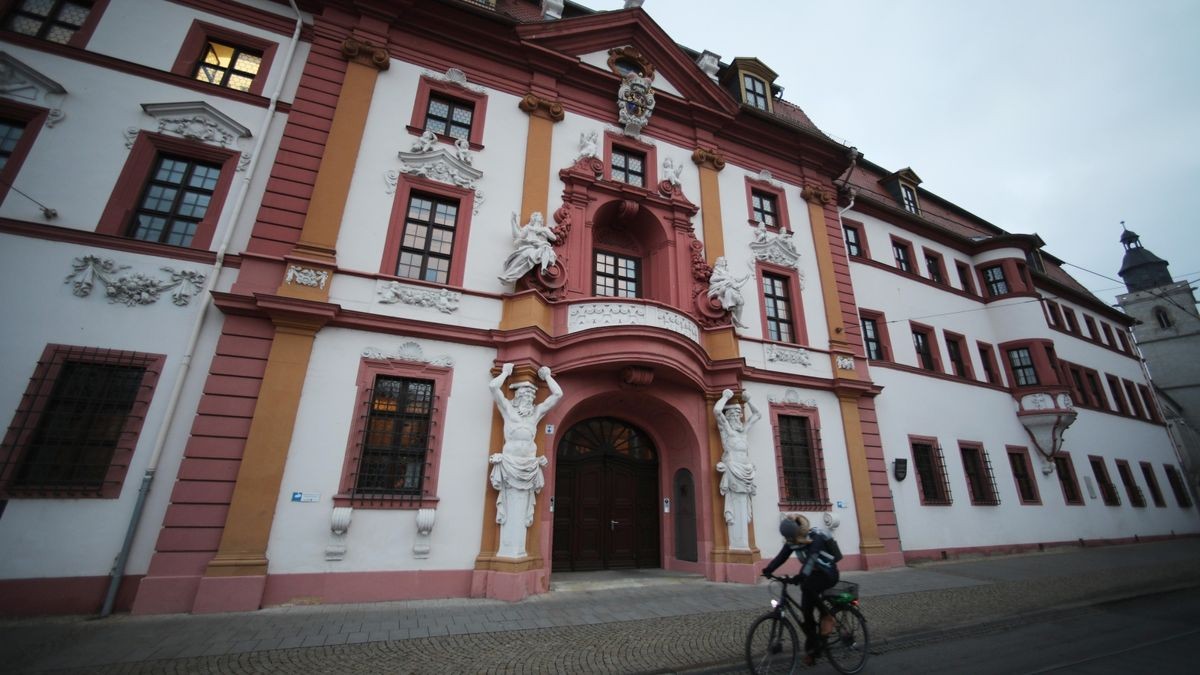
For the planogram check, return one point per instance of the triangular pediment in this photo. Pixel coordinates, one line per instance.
(196, 120)
(20, 82)
(906, 174)
(589, 38)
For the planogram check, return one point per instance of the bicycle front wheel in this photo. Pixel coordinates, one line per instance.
(850, 643)
(771, 645)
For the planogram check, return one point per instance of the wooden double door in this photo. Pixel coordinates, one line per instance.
(605, 498)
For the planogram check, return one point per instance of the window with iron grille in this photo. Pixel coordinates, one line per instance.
(1064, 468)
(778, 305)
(1018, 461)
(1177, 486)
(871, 340)
(1136, 497)
(174, 200)
(428, 243)
(1152, 484)
(802, 471)
(1022, 367)
(51, 20)
(924, 352)
(756, 92)
(981, 482)
(449, 117)
(77, 426)
(996, 283)
(10, 134)
(396, 438)
(1107, 490)
(764, 208)
(909, 198)
(931, 474)
(228, 65)
(628, 167)
(617, 275)
(853, 243)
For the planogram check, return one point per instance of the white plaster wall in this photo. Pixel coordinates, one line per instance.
(381, 539)
(81, 537)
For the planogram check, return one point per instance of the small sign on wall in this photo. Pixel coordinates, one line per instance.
(305, 497)
(549, 429)
(841, 504)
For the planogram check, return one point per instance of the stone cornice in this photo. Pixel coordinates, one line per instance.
(708, 158)
(365, 53)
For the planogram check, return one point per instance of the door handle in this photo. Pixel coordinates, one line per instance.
(612, 524)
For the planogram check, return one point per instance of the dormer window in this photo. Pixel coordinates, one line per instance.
(909, 197)
(755, 92)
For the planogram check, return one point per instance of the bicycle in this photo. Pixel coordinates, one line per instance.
(772, 645)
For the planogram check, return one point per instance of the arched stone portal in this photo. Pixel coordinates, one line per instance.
(606, 498)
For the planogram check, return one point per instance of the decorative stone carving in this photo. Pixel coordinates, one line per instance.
(708, 157)
(339, 521)
(831, 520)
(629, 54)
(709, 64)
(456, 77)
(635, 103)
(366, 53)
(425, 518)
(135, 289)
(408, 351)
(765, 176)
(441, 299)
(1046, 417)
(19, 82)
(776, 248)
(587, 315)
(531, 248)
(426, 142)
(435, 162)
(792, 397)
(517, 469)
(726, 289)
(816, 195)
(845, 363)
(799, 357)
(462, 151)
(737, 472)
(589, 145)
(542, 107)
(552, 9)
(672, 171)
(197, 121)
(306, 276)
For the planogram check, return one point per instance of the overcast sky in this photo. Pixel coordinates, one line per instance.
(1056, 117)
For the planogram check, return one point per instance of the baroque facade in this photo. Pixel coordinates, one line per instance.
(343, 301)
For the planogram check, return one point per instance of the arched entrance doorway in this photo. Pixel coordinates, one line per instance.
(605, 498)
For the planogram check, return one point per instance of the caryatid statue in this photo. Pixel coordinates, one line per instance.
(737, 473)
(517, 469)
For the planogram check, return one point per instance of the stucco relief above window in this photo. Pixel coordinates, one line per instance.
(583, 316)
(777, 248)
(134, 289)
(19, 82)
(453, 76)
(800, 357)
(392, 292)
(194, 121)
(408, 351)
(792, 397)
(430, 159)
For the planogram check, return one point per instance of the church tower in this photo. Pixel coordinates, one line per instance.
(1168, 334)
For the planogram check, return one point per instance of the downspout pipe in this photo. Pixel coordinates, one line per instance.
(205, 298)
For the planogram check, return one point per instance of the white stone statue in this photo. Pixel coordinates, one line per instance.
(737, 473)
(726, 288)
(426, 143)
(517, 470)
(672, 171)
(589, 144)
(462, 150)
(531, 248)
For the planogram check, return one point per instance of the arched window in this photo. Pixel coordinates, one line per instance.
(1163, 319)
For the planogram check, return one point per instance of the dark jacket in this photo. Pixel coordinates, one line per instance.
(818, 556)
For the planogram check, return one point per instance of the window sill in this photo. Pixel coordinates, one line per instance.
(385, 502)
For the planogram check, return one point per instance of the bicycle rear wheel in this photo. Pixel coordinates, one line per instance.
(850, 643)
(771, 645)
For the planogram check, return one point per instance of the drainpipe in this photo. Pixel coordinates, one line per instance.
(205, 298)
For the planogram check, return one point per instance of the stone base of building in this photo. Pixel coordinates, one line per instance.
(229, 594)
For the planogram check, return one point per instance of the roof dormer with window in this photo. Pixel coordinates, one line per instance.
(751, 82)
(902, 185)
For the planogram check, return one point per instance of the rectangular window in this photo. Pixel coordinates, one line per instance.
(981, 482)
(174, 200)
(802, 479)
(1135, 403)
(780, 321)
(51, 20)
(935, 267)
(1064, 468)
(428, 241)
(993, 277)
(449, 117)
(1054, 314)
(910, 199)
(924, 351)
(1096, 391)
(1108, 491)
(1018, 461)
(617, 275)
(1022, 367)
(78, 423)
(854, 246)
(1149, 402)
(1108, 335)
(1177, 486)
(871, 339)
(629, 167)
(764, 208)
(931, 474)
(756, 92)
(964, 277)
(902, 251)
(395, 439)
(1072, 322)
(987, 357)
(1131, 487)
(1124, 341)
(10, 135)
(956, 351)
(1093, 332)
(228, 65)
(1080, 394)
(1152, 485)
(1114, 385)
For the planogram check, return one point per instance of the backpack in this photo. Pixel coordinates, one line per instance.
(832, 546)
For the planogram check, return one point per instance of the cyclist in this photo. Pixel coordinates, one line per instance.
(818, 557)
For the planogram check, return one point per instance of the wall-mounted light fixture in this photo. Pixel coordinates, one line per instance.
(900, 468)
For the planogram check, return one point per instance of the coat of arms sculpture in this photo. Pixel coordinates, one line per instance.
(635, 103)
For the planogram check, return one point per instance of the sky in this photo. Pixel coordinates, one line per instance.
(1056, 117)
